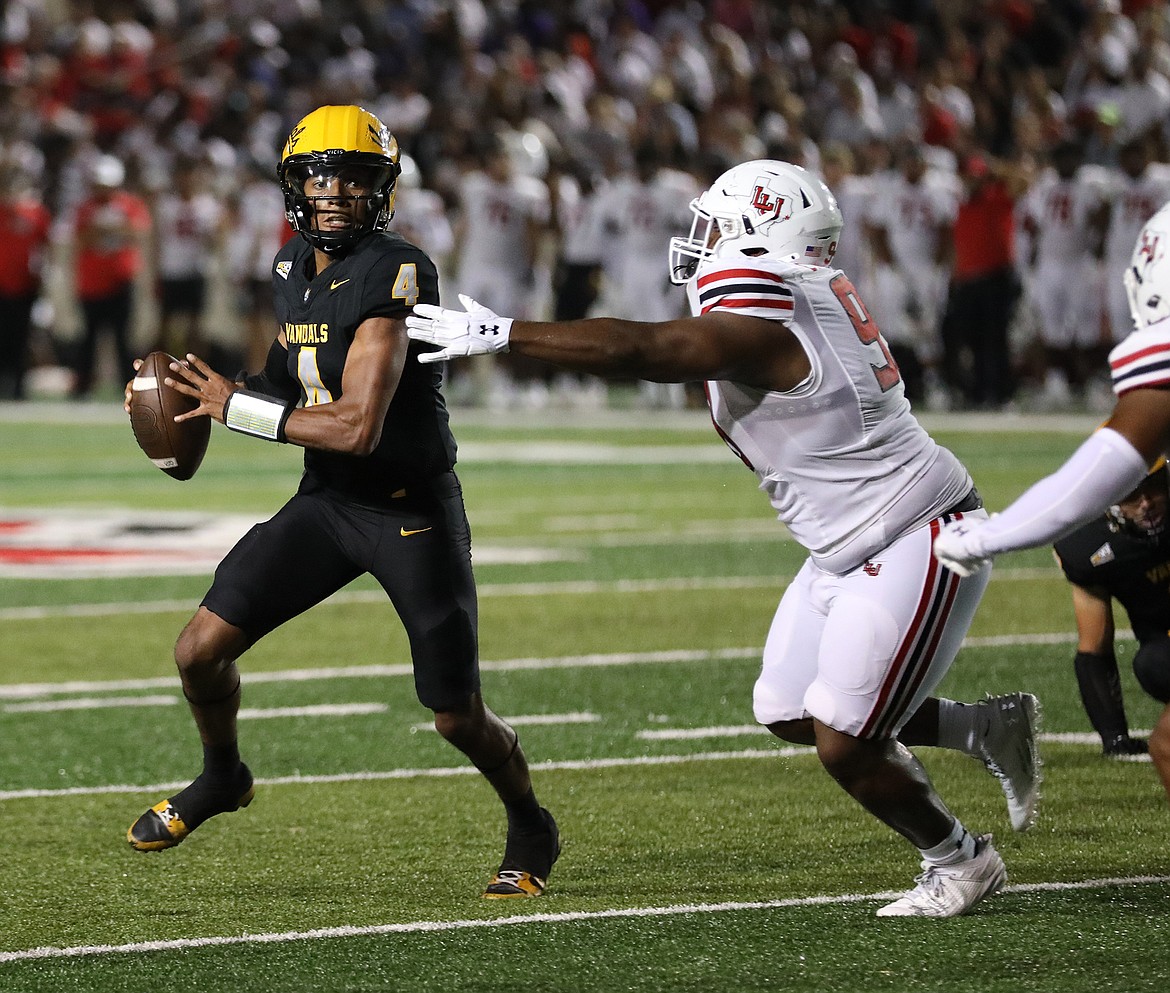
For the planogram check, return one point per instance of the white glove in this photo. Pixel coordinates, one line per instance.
(475, 331)
(959, 549)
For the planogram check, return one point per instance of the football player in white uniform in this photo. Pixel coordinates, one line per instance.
(803, 389)
(1140, 186)
(1062, 215)
(501, 222)
(910, 225)
(1114, 459)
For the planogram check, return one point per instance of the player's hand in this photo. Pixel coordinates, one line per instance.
(128, 394)
(473, 331)
(958, 548)
(197, 379)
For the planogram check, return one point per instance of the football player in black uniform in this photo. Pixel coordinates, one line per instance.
(378, 493)
(1122, 556)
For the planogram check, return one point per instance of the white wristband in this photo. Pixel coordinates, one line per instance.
(256, 414)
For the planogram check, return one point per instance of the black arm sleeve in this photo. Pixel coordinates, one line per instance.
(274, 380)
(1100, 687)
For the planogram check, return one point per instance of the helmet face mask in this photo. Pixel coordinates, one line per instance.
(338, 173)
(1147, 278)
(758, 207)
(1143, 512)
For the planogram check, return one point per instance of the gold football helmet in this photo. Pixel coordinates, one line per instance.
(342, 161)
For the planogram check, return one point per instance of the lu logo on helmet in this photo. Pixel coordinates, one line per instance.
(766, 202)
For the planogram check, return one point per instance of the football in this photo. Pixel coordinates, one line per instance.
(177, 448)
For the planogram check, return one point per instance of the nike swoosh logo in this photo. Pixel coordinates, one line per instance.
(407, 534)
(337, 282)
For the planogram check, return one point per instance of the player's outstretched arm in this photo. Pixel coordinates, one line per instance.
(718, 345)
(1106, 467)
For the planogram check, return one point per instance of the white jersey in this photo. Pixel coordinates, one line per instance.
(187, 230)
(498, 218)
(913, 214)
(259, 231)
(639, 218)
(1134, 201)
(1061, 212)
(420, 216)
(580, 222)
(1065, 284)
(844, 462)
(1142, 359)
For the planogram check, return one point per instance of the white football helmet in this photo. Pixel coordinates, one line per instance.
(1147, 278)
(763, 204)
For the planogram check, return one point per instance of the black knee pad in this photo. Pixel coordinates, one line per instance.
(1151, 666)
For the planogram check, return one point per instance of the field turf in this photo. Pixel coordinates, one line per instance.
(628, 571)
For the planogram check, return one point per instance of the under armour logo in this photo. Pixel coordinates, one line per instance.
(485, 330)
(871, 568)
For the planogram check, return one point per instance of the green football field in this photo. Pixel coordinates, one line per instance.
(628, 571)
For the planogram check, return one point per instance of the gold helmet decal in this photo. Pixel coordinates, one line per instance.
(329, 140)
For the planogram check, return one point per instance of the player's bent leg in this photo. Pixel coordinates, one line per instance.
(1160, 748)
(533, 842)
(1000, 731)
(888, 781)
(959, 870)
(205, 654)
(797, 732)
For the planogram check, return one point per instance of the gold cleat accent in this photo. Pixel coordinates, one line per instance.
(161, 827)
(510, 884)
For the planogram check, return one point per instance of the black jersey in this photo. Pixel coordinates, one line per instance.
(1134, 572)
(384, 276)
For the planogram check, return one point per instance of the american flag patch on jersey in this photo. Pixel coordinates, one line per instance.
(812, 252)
(1142, 359)
(754, 292)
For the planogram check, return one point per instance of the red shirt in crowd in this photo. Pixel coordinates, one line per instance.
(110, 228)
(24, 232)
(984, 232)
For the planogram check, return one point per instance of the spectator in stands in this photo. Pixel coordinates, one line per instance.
(984, 286)
(190, 231)
(111, 229)
(24, 236)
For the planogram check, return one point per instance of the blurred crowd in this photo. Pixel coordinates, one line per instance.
(993, 159)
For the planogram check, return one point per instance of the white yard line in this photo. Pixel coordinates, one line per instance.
(563, 587)
(565, 917)
(25, 691)
(532, 720)
(441, 772)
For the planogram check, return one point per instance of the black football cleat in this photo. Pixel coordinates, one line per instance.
(164, 827)
(528, 859)
(1124, 745)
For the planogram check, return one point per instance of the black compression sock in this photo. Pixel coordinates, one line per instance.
(524, 816)
(213, 794)
(220, 762)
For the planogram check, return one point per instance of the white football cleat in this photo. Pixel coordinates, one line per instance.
(1008, 749)
(951, 890)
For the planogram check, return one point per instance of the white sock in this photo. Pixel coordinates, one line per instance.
(961, 726)
(958, 846)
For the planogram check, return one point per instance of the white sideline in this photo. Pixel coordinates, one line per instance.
(567, 917)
